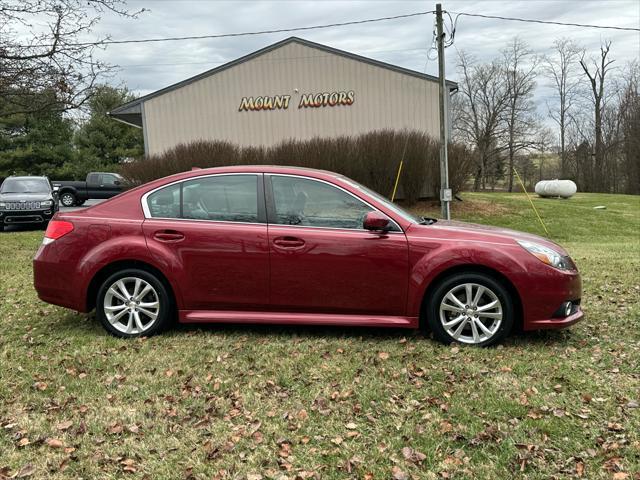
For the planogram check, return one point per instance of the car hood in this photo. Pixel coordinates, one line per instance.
(474, 231)
(27, 197)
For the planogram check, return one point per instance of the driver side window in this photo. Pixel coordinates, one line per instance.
(302, 201)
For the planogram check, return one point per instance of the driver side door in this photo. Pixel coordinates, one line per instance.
(322, 259)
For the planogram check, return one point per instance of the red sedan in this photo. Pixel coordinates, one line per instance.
(297, 246)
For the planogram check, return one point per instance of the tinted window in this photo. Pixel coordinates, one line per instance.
(229, 198)
(165, 203)
(300, 201)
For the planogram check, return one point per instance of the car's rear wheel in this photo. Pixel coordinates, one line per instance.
(68, 199)
(133, 303)
(470, 308)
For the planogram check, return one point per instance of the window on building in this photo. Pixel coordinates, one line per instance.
(302, 201)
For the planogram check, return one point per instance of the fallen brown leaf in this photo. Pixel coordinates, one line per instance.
(62, 426)
(54, 443)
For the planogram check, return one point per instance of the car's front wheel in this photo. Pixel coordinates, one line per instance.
(133, 303)
(470, 308)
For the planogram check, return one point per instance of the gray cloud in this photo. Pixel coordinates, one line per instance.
(148, 67)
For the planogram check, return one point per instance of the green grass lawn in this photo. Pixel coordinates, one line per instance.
(271, 402)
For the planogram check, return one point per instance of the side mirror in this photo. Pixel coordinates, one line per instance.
(116, 182)
(376, 222)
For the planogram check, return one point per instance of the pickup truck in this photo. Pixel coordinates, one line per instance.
(97, 185)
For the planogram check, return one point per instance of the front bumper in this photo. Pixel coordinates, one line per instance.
(18, 217)
(546, 298)
(557, 323)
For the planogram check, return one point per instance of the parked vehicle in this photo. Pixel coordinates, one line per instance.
(97, 185)
(27, 200)
(297, 246)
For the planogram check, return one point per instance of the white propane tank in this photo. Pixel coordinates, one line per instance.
(556, 188)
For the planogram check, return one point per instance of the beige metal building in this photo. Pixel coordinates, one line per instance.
(293, 89)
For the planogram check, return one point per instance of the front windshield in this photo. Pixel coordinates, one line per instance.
(25, 185)
(385, 201)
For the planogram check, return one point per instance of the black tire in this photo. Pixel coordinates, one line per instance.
(165, 313)
(68, 199)
(496, 287)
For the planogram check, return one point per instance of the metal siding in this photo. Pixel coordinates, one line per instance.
(208, 108)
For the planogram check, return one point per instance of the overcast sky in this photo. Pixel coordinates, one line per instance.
(148, 67)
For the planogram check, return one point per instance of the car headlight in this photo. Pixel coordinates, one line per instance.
(46, 203)
(547, 255)
(3, 204)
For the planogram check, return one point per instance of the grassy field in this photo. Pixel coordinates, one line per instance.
(267, 402)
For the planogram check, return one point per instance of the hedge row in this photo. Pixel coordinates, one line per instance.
(371, 159)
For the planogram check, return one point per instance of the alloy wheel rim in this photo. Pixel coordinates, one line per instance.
(471, 313)
(131, 305)
(67, 200)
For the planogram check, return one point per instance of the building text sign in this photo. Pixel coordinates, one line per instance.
(307, 100)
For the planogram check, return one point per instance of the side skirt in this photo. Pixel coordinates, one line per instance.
(287, 318)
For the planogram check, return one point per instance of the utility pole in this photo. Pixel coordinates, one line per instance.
(445, 191)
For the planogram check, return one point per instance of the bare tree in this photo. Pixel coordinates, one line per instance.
(44, 60)
(561, 69)
(622, 131)
(543, 140)
(479, 111)
(601, 66)
(520, 71)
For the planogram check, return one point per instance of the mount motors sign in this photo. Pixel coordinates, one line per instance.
(307, 100)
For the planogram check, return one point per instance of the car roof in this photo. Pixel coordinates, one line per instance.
(264, 169)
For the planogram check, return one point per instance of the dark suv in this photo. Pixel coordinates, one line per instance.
(27, 200)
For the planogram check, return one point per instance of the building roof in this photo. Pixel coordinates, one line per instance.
(131, 112)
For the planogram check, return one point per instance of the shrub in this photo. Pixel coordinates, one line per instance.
(371, 159)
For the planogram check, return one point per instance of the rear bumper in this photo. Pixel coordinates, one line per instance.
(55, 282)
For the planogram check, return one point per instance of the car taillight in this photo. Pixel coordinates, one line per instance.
(57, 229)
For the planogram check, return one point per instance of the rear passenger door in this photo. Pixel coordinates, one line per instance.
(212, 232)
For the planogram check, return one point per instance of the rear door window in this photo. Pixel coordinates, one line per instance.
(228, 198)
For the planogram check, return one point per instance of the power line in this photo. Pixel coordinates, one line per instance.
(331, 25)
(546, 22)
(241, 34)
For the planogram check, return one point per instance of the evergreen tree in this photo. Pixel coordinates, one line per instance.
(103, 140)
